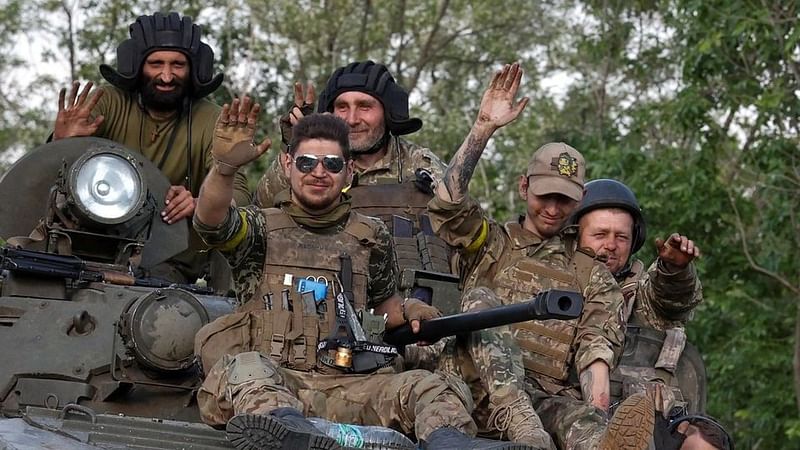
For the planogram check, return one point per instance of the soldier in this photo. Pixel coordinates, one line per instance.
(155, 104)
(375, 107)
(524, 378)
(271, 363)
(392, 175)
(658, 300)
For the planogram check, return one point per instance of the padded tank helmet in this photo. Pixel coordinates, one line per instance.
(164, 32)
(375, 80)
(607, 193)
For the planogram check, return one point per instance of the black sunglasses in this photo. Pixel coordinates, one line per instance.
(307, 163)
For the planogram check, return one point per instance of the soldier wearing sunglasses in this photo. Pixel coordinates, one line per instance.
(269, 364)
(392, 176)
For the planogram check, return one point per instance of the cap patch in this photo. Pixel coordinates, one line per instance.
(565, 164)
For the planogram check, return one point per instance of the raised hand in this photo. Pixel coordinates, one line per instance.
(498, 105)
(303, 102)
(677, 250)
(303, 106)
(233, 144)
(498, 108)
(74, 116)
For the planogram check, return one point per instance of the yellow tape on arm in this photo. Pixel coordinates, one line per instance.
(481, 239)
(237, 238)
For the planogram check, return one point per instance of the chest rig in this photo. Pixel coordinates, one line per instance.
(423, 259)
(655, 356)
(546, 345)
(287, 325)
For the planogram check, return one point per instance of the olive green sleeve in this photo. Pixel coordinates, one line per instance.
(601, 328)
(666, 299)
(460, 224)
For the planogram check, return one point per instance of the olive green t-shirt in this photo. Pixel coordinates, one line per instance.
(127, 122)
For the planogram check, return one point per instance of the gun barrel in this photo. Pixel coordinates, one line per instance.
(552, 304)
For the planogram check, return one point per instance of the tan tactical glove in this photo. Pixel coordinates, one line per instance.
(233, 144)
(416, 309)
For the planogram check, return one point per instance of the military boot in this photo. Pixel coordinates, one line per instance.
(513, 416)
(449, 438)
(283, 428)
(631, 428)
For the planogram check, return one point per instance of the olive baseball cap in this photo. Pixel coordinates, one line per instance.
(557, 168)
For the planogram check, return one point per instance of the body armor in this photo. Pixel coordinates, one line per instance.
(423, 259)
(546, 345)
(655, 356)
(286, 325)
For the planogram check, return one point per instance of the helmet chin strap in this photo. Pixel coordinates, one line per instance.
(376, 147)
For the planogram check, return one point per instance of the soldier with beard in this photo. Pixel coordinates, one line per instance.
(375, 108)
(392, 175)
(270, 365)
(155, 104)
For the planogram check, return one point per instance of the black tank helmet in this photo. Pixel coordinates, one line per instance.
(164, 32)
(375, 80)
(607, 193)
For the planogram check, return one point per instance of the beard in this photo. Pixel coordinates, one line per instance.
(364, 142)
(157, 100)
(315, 201)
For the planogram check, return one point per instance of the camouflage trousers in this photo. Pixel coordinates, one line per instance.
(490, 359)
(414, 402)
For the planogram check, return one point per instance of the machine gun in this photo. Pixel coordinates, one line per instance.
(552, 304)
(43, 264)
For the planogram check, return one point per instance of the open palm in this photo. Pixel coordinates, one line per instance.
(498, 106)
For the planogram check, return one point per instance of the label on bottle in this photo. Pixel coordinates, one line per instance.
(349, 436)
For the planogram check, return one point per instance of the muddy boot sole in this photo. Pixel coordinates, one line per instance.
(256, 432)
(631, 428)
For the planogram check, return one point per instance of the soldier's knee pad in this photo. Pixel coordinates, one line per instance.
(479, 298)
(251, 368)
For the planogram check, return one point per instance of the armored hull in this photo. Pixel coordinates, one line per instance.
(90, 353)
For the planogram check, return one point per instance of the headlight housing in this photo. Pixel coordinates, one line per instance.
(105, 187)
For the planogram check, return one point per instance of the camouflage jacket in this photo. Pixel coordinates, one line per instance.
(486, 248)
(398, 165)
(241, 237)
(660, 299)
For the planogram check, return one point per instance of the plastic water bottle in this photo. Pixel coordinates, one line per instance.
(361, 436)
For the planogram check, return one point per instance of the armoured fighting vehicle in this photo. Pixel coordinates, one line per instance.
(88, 349)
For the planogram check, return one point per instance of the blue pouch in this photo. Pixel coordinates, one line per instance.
(320, 290)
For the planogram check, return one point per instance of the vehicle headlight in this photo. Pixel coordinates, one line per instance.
(106, 187)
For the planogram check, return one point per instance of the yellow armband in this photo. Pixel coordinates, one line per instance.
(229, 245)
(480, 240)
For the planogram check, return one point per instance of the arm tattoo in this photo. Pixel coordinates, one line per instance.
(587, 380)
(461, 168)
